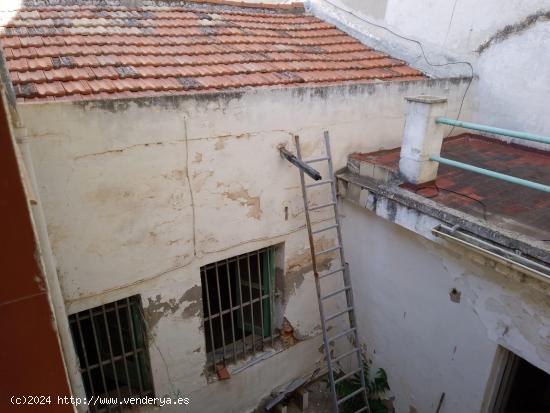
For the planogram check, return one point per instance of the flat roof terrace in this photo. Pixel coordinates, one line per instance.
(513, 207)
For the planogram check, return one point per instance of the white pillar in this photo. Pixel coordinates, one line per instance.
(422, 138)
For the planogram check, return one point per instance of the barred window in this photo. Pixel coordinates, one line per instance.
(238, 298)
(111, 345)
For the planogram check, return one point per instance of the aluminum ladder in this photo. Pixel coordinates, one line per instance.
(341, 270)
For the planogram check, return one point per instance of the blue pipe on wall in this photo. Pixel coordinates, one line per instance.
(491, 129)
(492, 174)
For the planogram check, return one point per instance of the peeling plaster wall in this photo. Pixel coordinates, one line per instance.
(412, 324)
(507, 44)
(139, 194)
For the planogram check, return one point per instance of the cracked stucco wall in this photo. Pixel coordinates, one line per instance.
(434, 317)
(139, 194)
(508, 46)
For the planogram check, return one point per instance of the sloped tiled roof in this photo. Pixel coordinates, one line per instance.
(63, 49)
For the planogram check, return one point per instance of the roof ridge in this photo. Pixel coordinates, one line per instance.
(294, 7)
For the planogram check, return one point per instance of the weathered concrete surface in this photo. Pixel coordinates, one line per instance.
(404, 207)
(422, 138)
(139, 194)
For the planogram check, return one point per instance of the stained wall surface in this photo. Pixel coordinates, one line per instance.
(139, 194)
(433, 314)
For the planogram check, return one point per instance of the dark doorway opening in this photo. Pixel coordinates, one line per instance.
(522, 388)
(530, 390)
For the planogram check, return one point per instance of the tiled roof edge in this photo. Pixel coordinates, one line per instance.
(295, 7)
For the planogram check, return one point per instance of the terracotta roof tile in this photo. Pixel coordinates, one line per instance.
(40, 63)
(505, 204)
(17, 65)
(77, 86)
(406, 71)
(68, 49)
(36, 76)
(99, 86)
(49, 89)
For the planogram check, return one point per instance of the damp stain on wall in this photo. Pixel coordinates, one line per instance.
(158, 308)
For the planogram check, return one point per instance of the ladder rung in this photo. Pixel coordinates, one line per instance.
(323, 158)
(342, 334)
(328, 181)
(351, 395)
(362, 409)
(332, 294)
(332, 272)
(322, 206)
(345, 376)
(328, 250)
(324, 229)
(347, 353)
(338, 314)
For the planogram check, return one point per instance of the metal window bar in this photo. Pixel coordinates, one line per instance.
(112, 364)
(251, 304)
(233, 289)
(271, 278)
(231, 314)
(261, 295)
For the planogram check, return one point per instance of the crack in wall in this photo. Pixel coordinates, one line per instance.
(121, 150)
(513, 29)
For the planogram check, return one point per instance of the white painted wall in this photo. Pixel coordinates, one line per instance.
(513, 83)
(427, 343)
(139, 194)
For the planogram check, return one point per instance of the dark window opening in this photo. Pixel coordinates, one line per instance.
(238, 297)
(530, 390)
(522, 387)
(111, 345)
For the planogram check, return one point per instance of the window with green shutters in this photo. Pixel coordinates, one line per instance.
(238, 299)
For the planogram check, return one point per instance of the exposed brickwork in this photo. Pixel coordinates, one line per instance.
(102, 49)
(518, 208)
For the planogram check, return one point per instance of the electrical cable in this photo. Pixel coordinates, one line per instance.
(439, 189)
(433, 65)
(417, 42)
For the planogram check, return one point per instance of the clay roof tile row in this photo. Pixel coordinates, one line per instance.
(57, 49)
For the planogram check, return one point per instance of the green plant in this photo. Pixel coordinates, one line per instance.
(376, 389)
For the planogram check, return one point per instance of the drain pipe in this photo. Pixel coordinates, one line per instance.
(507, 256)
(61, 320)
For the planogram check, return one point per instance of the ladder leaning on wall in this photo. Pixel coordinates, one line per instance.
(342, 270)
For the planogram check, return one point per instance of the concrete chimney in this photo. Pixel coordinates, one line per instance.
(422, 138)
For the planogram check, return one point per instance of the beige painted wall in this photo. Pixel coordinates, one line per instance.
(139, 194)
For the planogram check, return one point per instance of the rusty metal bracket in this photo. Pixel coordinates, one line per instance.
(311, 172)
